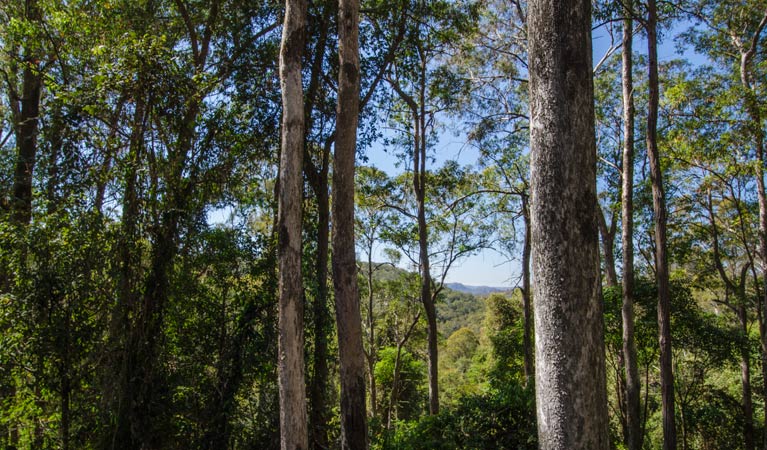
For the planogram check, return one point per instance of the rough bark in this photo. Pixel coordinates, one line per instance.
(660, 219)
(571, 397)
(27, 126)
(348, 319)
(633, 436)
(293, 420)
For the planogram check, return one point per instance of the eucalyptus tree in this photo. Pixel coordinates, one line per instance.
(370, 217)
(293, 422)
(348, 320)
(660, 221)
(454, 226)
(571, 396)
(718, 205)
(633, 415)
(425, 88)
(732, 36)
(609, 143)
(493, 64)
(24, 101)
(382, 29)
(614, 88)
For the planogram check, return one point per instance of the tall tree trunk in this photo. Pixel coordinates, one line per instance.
(571, 396)
(426, 296)
(418, 110)
(419, 185)
(293, 421)
(661, 257)
(127, 293)
(633, 436)
(27, 125)
(318, 388)
(431, 314)
(317, 176)
(527, 336)
(348, 319)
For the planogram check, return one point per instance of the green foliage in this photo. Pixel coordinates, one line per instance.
(411, 394)
(127, 315)
(500, 419)
(457, 310)
(462, 367)
(505, 327)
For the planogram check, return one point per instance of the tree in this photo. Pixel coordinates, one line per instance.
(633, 416)
(718, 206)
(438, 230)
(370, 216)
(732, 36)
(26, 111)
(571, 395)
(293, 423)
(348, 320)
(661, 246)
(425, 91)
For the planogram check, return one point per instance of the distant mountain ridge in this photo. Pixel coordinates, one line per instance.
(475, 290)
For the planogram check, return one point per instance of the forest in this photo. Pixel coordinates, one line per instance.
(231, 224)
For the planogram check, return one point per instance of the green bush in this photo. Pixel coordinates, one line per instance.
(500, 419)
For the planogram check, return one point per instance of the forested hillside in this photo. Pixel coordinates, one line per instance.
(234, 224)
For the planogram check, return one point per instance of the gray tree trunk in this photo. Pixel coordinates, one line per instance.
(27, 125)
(633, 436)
(571, 396)
(348, 319)
(293, 422)
(661, 257)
